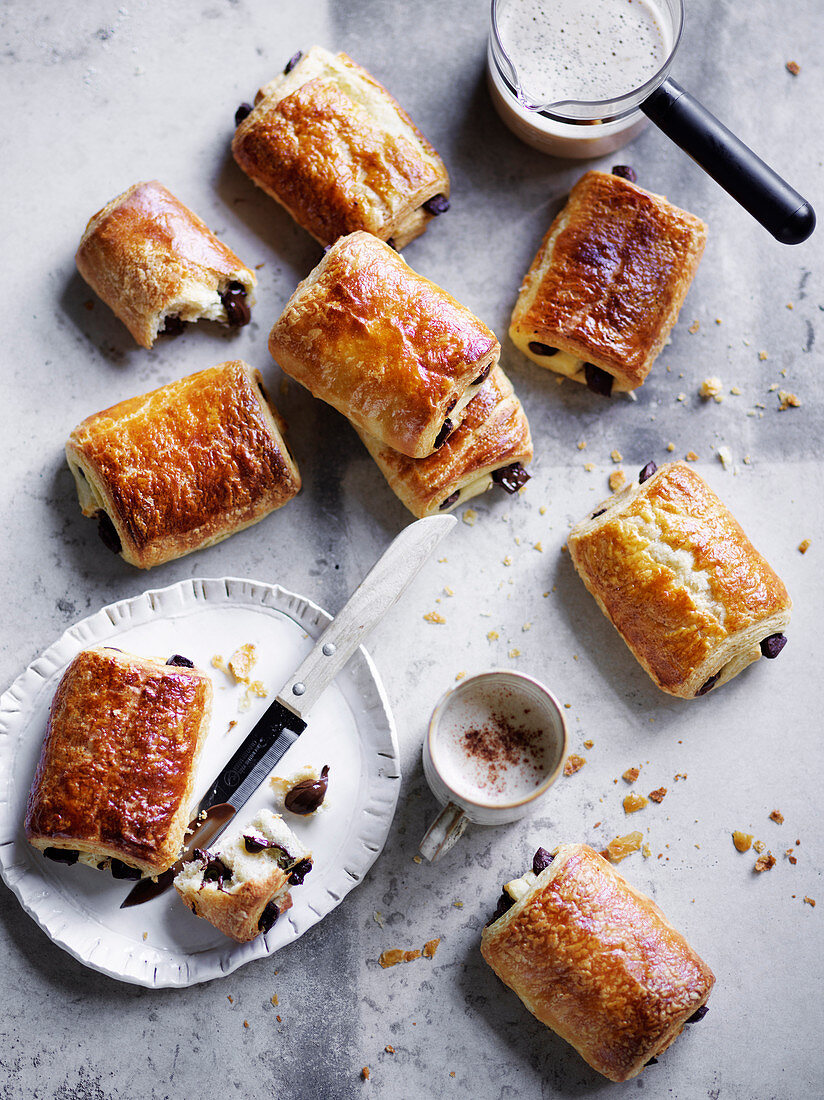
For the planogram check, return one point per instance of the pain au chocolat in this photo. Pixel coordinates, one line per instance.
(674, 572)
(184, 466)
(332, 146)
(396, 354)
(115, 780)
(605, 288)
(595, 960)
(241, 885)
(491, 447)
(157, 265)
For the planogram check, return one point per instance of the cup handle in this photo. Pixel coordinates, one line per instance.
(447, 827)
(752, 183)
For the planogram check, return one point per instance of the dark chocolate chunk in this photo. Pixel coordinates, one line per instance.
(651, 1062)
(299, 872)
(172, 326)
(444, 433)
(699, 1014)
(647, 472)
(598, 380)
(391, 243)
(254, 843)
(541, 860)
(625, 172)
(438, 204)
(181, 662)
(511, 477)
(449, 500)
(600, 512)
(215, 869)
(243, 111)
(268, 917)
(505, 903)
(293, 60)
(119, 869)
(709, 685)
(236, 306)
(306, 797)
(541, 349)
(108, 535)
(482, 377)
(772, 646)
(61, 855)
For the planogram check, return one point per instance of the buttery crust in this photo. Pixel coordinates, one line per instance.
(608, 281)
(149, 257)
(236, 905)
(493, 434)
(117, 769)
(185, 466)
(674, 572)
(330, 144)
(383, 345)
(598, 962)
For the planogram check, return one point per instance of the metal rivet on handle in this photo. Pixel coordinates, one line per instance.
(298, 688)
(329, 649)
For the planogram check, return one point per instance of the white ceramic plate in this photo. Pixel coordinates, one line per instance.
(160, 943)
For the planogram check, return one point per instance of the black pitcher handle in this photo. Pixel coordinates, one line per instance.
(732, 164)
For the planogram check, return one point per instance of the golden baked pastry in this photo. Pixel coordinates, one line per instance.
(602, 294)
(183, 467)
(681, 582)
(383, 345)
(335, 149)
(156, 264)
(241, 886)
(116, 774)
(490, 447)
(595, 960)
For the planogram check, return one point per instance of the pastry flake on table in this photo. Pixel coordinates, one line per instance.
(241, 886)
(595, 960)
(332, 146)
(673, 571)
(157, 265)
(115, 781)
(183, 467)
(392, 351)
(605, 288)
(492, 446)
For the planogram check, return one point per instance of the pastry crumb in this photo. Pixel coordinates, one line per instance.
(691, 456)
(589, 467)
(694, 327)
(790, 854)
(679, 775)
(742, 841)
(658, 795)
(764, 863)
(542, 510)
(573, 764)
(759, 845)
(804, 546)
(622, 846)
(242, 661)
(710, 387)
(507, 560)
(145, 935)
(447, 591)
(631, 774)
(646, 851)
(735, 391)
(809, 901)
(794, 68)
(391, 957)
(762, 355)
(616, 456)
(245, 1023)
(417, 859)
(274, 998)
(377, 917)
(582, 445)
(670, 447)
(460, 675)
(493, 635)
(777, 817)
(538, 546)
(434, 617)
(633, 802)
(724, 457)
(430, 947)
(469, 517)
(514, 653)
(458, 904)
(588, 744)
(788, 401)
(365, 1073)
(617, 480)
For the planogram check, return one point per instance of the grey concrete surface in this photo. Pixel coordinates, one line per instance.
(97, 96)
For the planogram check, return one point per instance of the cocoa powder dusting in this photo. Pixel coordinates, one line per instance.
(500, 745)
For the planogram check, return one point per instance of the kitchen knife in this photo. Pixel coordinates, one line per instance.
(285, 719)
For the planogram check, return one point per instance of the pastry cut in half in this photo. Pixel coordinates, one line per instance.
(492, 446)
(241, 886)
(392, 351)
(115, 782)
(157, 265)
(332, 146)
(595, 960)
(674, 572)
(602, 294)
(184, 466)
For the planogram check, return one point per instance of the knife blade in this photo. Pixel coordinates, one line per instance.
(285, 719)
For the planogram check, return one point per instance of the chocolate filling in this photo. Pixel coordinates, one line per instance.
(255, 844)
(699, 1014)
(772, 646)
(268, 917)
(306, 797)
(651, 1062)
(709, 685)
(449, 500)
(61, 855)
(511, 477)
(625, 172)
(243, 111)
(299, 872)
(181, 662)
(215, 869)
(505, 903)
(172, 326)
(438, 204)
(598, 380)
(600, 512)
(293, 60)
(108, 535)
(444, 433)
(391, 243)
(482, 377)
(541, 349)
(236, 306)
(647, 472)
(119, 869)
(541, 860)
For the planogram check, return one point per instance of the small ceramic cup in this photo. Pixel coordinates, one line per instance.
(494, 748)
